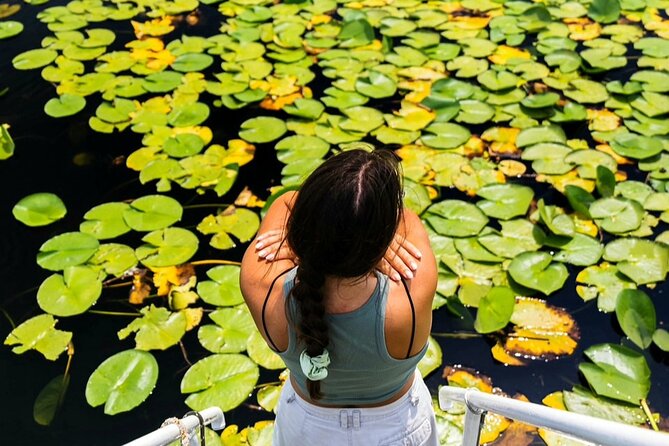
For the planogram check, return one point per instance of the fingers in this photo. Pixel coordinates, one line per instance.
(268, 238)
(388, 270)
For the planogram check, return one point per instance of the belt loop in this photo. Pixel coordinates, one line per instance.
(356, 419)
(414, 397)
(343, 419)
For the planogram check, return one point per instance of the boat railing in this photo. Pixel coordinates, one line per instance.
(184, 429)
(574, 425)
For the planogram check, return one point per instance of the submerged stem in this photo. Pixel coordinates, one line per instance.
(457, 335)
(649, 414)
(184, 353)
(114, 313)
(9, 318)
(215, 262)
(118, 285)
(205, 205)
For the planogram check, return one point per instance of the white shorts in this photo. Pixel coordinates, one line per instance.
(409, 421)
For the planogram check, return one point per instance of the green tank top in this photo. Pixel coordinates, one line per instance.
(361, 370)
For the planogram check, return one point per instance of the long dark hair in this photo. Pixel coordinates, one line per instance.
(341, 224)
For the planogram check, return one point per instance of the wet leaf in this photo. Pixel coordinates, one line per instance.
(504, 201)
(643, 261)
(223, 289)
(240, 222)
(432, 359)
(262, 129)
(223, 380)
(114, 259)
(39, 333)
(261, 354)
(122, 381)
(152, 212)
(616, 215)
(455, 218)
(105, 221)
(536, 270)
(233, 328)
(583, 402)
(636, 315)
(157, 329)
(617, 372)
(495, 310)
(68, 249)
(167, 247)
(39, 209)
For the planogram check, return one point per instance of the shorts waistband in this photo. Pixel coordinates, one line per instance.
(334, 412)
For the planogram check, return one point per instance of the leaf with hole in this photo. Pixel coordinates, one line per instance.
(157, 329)
(39, 333)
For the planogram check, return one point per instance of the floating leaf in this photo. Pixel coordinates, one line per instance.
(65, 105)
(151, 212)
(39, 209)
(167, 247)
(517, 236)
(114, 259)
(537, 271)
(10, 28)
(262, 129)
(6, 143)
(661, 339)
(72, 293)
(157, 329)
(39, 333)
(617, 372)
(604, 11)
(504, 201)
(636, 315)
(634, 146)
(223, 290)
(432, 359)
(68, 249)
(261, 354)
(444, 135)
(105, 221)
(495, 310)
(455, 218)
(376, 85)
(32, 59)
(122, 381)
(616, 215)
(242, 223)
(223, 380)
(231, 332)
(584, 402)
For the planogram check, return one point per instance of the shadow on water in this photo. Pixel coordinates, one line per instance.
(85, 169)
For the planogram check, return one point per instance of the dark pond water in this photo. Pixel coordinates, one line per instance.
(45, 161)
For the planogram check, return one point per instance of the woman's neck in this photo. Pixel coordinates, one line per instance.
(343, 295)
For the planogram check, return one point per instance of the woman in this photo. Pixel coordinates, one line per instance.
(350, 337)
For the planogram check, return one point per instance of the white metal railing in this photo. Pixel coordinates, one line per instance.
(583, 427)
(182, 429)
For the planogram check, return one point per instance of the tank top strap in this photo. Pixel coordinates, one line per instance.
(264, 306)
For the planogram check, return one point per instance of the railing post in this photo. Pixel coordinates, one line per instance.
(473, 423)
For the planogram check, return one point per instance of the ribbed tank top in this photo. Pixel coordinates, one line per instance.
(361, 370)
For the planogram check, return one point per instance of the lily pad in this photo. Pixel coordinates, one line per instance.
(10, 28)
(223, 289)
(65, 105)
(445, 135)
(151, 212)
(504, 201)
(495, 310)
(376, 85)
(233, 328)
(240, 222)
(157, 329)
(167, 247)
(636, 315)
(602, 282)
(39, 209)
(643, 261)
(32, 59)
(223, 380)
(72, 293)
(68, 249)
(262, 129)
(536, 270)
(616, 215)
(261, 354)
(122, 381)
(106, 221)
(39, 333)
(455, 218)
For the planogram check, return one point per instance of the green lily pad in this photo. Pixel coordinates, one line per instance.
(643, 261)
(305, 108)
(432, 359)
(504, 201)
(39, 333)
(581, 250)
(10, 28)
(498, 80)
(636, 315)
(105, 221)
(535, 135)
(188, 115)
(604, 283)
(191, 62)
(72, 293)
(376, 85)
(242, 223)
(223, 380)
(661, 339)
(32, 59)
(298, 147)
(167, 247)
(634, 146)
(445, 135)
(157, 329)
(151, 212)
(455, 218)
(7, 145)
(261, 354)
(223, 289)
(556, 220)
(231, 332)
(39, 209)
(617, 372)
(567, 60)
(517, 236)
(617, 215)
(68, 249)
(536, 270)
(495, 310)
(50, 399)
(583, 402)
(262, 129)
(65, 105)
(604, 11)
(586, 91)
(183, 145)
(162, 82)
(122, 381)
(114, 259)
(474, 112)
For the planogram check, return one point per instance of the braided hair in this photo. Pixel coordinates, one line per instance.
(341, 224)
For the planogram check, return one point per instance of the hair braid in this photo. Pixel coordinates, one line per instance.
(312, 329)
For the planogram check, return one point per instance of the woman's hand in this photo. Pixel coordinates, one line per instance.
(272, 246)
(400, 260)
